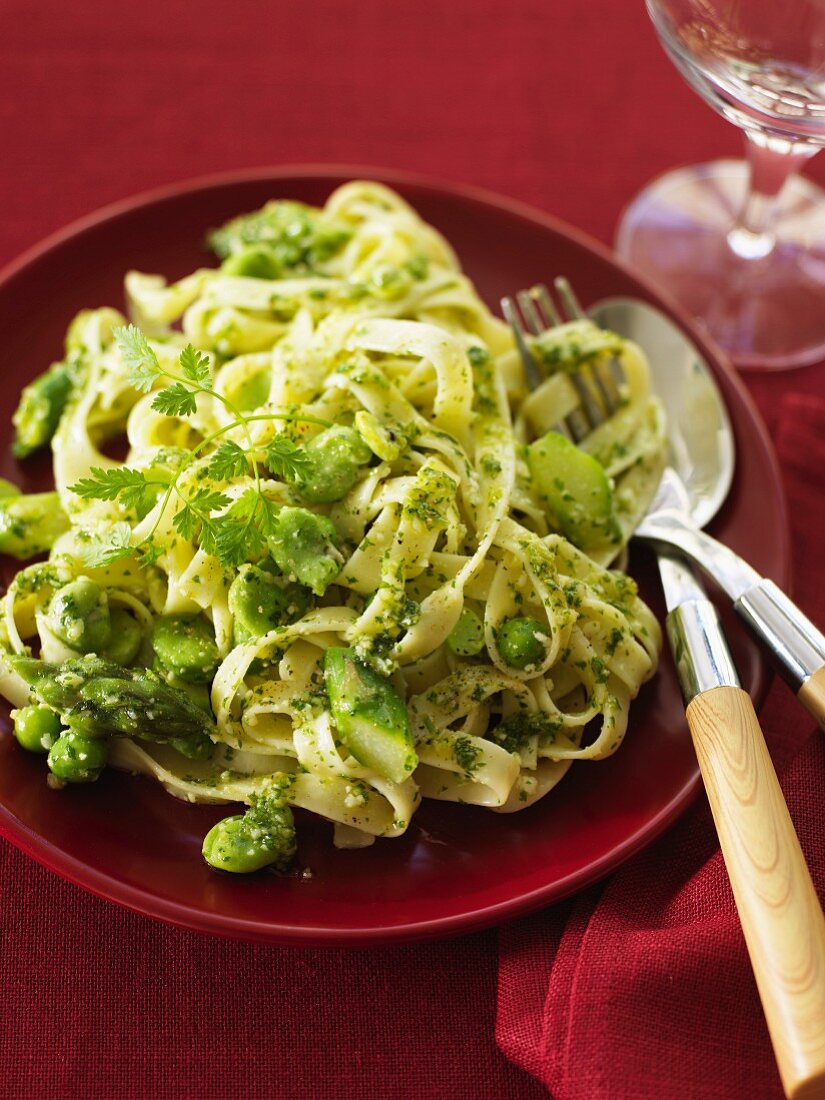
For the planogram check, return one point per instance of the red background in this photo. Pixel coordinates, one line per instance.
(572, 107)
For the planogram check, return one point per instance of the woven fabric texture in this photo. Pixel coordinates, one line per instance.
(638, 988)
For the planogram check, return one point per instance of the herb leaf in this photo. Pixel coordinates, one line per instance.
(237, 541)
(141, 361)
(229, 460)
(238, 537)
(175, 400)
(195, 366)
(116, 544)
(268, 516)
(121, 483)
(209, 500)
(234, 531)
(286, 459)
(195, 515)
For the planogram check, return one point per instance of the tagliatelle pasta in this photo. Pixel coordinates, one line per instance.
(347, 334)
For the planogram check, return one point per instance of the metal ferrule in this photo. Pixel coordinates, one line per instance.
(703, 660)
(795, 642)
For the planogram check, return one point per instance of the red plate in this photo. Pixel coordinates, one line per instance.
(457, 868)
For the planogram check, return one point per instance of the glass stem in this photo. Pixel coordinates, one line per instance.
(772, 161)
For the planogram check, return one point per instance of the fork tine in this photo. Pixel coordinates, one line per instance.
(569, 300)
(590, 405)
(541, 295)
(609, 388)
(508, 308)
(609, 395)
(577, 424)
(513, 319)
(619, 378)
(529, 312)
(572, 310)
(532, 312)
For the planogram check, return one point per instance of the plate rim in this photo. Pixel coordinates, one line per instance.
(177, 914)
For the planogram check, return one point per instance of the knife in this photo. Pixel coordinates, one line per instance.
(795, 643)
(781, 916)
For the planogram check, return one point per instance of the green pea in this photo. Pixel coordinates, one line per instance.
(75, 758)
(466, 639)
(260, 601)
(36, 728)
(126, 638)
(79, 616)
(519, 642)
(390, 282)
(186, 647)
(254, 262)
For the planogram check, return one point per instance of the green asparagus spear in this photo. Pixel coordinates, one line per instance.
(369, 715)
(41, 406)
(577, 491)
(109, 699)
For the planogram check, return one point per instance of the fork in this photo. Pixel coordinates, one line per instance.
(533, 311)
(781, 917)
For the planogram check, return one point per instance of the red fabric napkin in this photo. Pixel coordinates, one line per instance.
(642, 987)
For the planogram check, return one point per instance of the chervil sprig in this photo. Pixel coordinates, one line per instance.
(145, 371)
(231, 530)
(286, 459)
(175, 400)
(141, 361)
(195, 366)
(117, 544)
(131, 487)
(228, 461)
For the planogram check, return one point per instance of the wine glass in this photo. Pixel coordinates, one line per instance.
(741, 245)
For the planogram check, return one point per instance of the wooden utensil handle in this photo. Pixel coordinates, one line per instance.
(780, 913)
(812, 695)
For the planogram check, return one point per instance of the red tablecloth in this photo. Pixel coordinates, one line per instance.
(572, 107)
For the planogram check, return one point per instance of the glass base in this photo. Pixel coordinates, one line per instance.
(762, 300)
